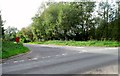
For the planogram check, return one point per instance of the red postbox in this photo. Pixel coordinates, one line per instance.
(17, 39)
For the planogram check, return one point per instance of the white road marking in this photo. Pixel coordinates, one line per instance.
(15, 62)
(64, 54)
(84, 51)
(57, 55)
(21, 60)
(29, 59)
(48, 56)
(34, 59)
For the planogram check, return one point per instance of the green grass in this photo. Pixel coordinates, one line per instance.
(81, 43)
(11, 49)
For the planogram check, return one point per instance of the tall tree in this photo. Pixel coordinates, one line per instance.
(106, 13)
(65, 21)
(10, 33)
(1, 27)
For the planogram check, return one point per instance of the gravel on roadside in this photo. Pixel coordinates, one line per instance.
(110, 69)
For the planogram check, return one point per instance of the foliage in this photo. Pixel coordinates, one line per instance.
(81, 43)
(10, 33)
(74, 21)
(1, 27)
(10, 49)
(25, 35)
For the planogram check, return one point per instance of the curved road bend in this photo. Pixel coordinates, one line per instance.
(49, 59)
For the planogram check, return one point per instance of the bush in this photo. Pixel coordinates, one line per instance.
(10, 49)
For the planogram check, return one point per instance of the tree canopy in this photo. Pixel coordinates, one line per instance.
(1, 27)
(74, 21)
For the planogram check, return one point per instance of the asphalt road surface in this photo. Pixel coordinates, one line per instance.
(50, 59)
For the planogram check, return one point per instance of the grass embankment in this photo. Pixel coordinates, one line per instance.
(81, 43)
(11, 49)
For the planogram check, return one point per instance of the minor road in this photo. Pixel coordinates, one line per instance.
(50, 59)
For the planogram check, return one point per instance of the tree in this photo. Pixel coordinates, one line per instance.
(25, 34)
(1, 27)
(73, 21)
(10, 33)
(107, 16)
(116, 28)
(64, 21)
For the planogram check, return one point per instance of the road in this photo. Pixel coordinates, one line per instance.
(50, 59)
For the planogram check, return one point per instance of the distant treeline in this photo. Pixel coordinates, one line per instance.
(79, 21)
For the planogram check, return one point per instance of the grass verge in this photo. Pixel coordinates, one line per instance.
(11, 49)
(81, 43)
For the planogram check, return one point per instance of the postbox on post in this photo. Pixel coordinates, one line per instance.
(17, 39)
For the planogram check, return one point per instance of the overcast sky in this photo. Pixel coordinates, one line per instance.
(18, 13)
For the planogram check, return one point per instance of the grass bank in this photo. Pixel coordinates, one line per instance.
(81, 43)
(11, 49)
